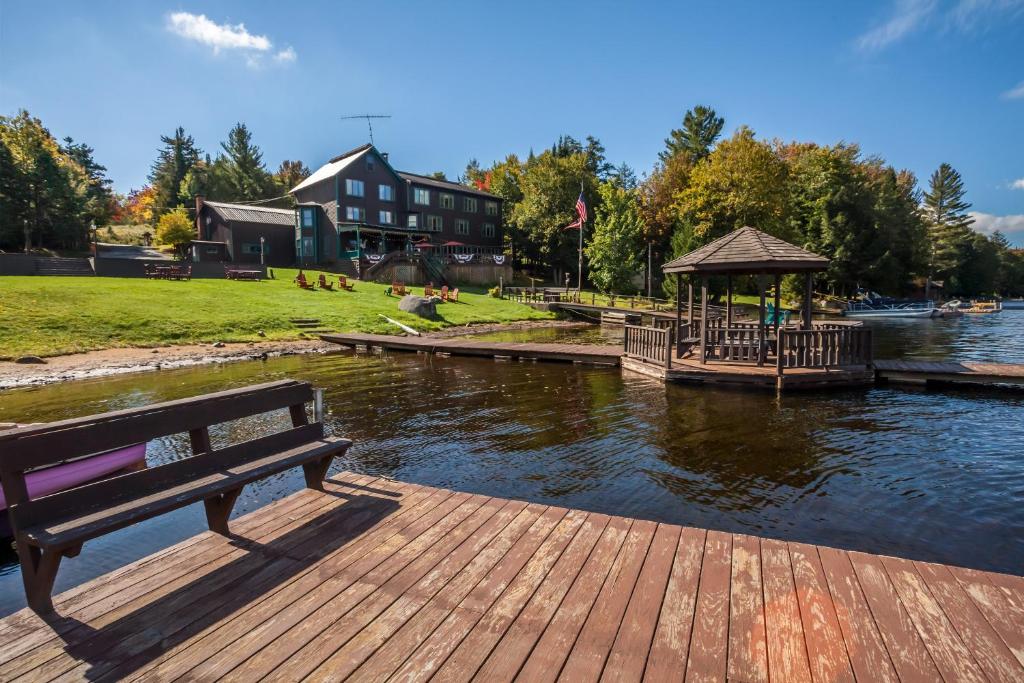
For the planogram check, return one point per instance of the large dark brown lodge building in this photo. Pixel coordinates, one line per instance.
(355, 209)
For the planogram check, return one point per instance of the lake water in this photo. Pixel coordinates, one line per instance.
(926, 474)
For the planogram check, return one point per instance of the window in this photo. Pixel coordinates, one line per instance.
(434, 223)
(369, 162)
(413, 221)
(307, 218)
(447, 201)
(387, 218)
(386, 193)
(469, 204)
(254, 249)
(420, 196)
(488, 229)
(461, 226)
(491, 208)
(354, 188)
(355, 213)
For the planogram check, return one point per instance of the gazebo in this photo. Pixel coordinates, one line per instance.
(726, 346)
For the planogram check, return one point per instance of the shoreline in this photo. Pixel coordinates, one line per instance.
(119, 361)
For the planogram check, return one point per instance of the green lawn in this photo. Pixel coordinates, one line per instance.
(48, 316)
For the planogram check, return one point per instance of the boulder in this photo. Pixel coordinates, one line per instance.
(423, 306)
(30, 360)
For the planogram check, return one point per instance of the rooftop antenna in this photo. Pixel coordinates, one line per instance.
(369, 120)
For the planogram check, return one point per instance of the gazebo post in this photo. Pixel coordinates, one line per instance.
(679, 308)
(778, 302)
(728, 300)
(760, 323)
(703, 320)
(808, 296)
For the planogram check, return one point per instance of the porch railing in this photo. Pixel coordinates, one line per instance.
(822, 348)
(650, 344)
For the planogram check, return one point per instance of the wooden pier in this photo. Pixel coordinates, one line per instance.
(571, 353)
(374, 579)
(948, 372)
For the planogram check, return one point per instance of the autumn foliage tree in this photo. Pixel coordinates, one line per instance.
(175, 229)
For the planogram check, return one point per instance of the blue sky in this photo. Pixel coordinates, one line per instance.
(918, 82)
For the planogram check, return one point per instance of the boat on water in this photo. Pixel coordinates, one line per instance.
(882, 307)
(68, 475)
(983, 307)
(1012, 304)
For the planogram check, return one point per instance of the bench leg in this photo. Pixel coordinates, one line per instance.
(38, 571)
(316, 471)
(218, 509)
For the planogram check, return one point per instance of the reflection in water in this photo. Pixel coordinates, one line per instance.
(922, 474)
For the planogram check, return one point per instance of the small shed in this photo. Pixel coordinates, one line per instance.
(250, 234)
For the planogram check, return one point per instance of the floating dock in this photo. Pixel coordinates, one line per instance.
(748, 375)
(948, 372)
(460, 346)
(376, 580)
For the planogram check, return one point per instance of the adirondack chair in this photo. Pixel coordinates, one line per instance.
(453, 295)
(301, 281)
(324, 284)
(398, 288)
(343, 284)
(770, 314)
(429, 290)
(444, 293)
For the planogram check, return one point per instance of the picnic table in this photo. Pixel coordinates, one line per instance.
(169, 272)
(240, 274)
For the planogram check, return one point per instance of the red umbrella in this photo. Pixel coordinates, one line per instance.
(453, 244)
(425, 244)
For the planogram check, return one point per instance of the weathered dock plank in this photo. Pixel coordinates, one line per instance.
(949, 372)
(567, 353)
(337, 585)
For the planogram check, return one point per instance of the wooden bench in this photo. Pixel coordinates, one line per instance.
(51, 527)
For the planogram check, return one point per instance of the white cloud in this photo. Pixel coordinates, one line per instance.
(1012, 225)
(908, 15)
(1017, 184)
(201, 29)
(286, 55)
(1015, 93)
(965, 16)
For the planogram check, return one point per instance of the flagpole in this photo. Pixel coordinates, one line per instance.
(579, 285)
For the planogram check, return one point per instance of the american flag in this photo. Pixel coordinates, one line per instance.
(581, 213)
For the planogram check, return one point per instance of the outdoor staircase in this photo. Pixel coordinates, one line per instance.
(309, 326)
(435, 270)
(47, 265)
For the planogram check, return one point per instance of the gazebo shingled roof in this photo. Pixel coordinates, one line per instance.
(747, 250)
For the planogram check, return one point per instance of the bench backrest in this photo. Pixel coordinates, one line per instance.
(25, 449)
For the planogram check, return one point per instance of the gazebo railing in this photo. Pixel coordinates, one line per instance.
(823, 348)
(742, 343)
(649, 344)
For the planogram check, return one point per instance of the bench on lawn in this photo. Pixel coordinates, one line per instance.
(51, 527)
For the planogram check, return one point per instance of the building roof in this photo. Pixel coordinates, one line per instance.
(342, 161)
(444, 184)
(747, 250)
(253, 214)
(332, 167)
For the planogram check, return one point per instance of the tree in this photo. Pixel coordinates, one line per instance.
(176, 229)
(139, 206)
(99, 195)
(614, 252)
(290, 173)
(174, 160)
(701, 128)
(949, 224)
(245, 177)
(438, 175)
(742, 182)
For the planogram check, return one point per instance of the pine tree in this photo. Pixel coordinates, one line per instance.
(289, 174)
(174, 160)
(949, 224)
(246, 177)
(701, 128)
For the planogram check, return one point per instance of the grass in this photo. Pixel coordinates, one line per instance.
(48, 316)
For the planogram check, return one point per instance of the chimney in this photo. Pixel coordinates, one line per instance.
(199, 221)
(384, 156)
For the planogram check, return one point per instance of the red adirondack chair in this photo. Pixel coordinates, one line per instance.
(343, 284)
(324, 284)
(301, 281)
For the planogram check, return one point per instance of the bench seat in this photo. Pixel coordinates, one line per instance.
(145, 503)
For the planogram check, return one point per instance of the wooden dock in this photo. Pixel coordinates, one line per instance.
(461, 346)
(380, 580)
(748, 375)
(947, 372)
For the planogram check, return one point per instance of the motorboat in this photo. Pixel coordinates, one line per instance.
(883, 307)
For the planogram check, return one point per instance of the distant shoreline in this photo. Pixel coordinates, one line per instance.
(119, 361)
